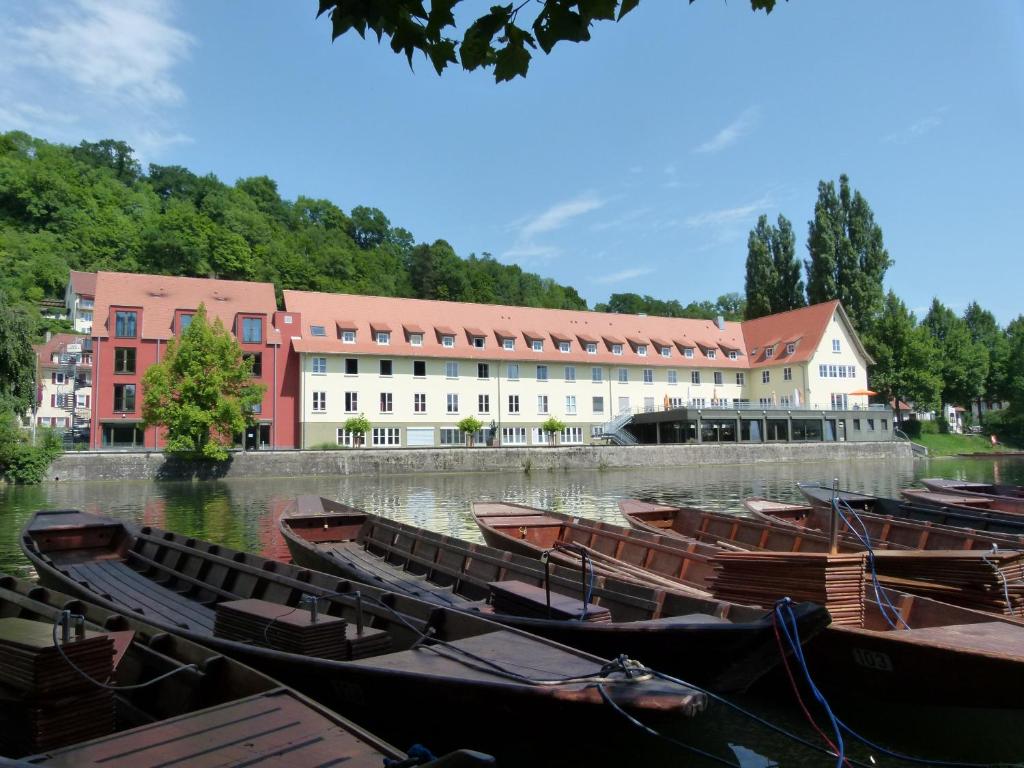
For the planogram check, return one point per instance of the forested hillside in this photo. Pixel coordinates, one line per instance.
(93, 207)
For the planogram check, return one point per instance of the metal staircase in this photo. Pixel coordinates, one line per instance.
(615, 430)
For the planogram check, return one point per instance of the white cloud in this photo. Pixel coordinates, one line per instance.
(625, 274)
(528, 251)
(727, 215)
(560, 214)
(731, 133)
(919, 128)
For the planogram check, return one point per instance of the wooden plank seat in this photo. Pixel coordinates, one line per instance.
(122, 584)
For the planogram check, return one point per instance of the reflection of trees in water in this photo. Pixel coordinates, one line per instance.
(208, 511)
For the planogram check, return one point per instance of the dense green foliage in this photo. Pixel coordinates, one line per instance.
(91, 207)
(774, 283)
(728, 305)
(963, 363)
(17, 359)
(22, 458)
(905, 358)
(496, 39)
(202, 392)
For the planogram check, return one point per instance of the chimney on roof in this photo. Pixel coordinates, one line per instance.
(720, 322)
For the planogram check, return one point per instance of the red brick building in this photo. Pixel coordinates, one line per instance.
(136, 315)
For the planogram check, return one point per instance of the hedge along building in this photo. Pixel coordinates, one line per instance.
(135, 316)
(415, 368)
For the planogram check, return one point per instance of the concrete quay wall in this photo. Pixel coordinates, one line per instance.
(155, 466)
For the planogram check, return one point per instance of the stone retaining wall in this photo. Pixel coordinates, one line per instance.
(155, 466)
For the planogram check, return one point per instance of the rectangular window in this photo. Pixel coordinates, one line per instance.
(385, 402)
(319, 365)
(836, 346)
(124, 398)
(597, 405)
(591, 348)
(616, 349)
(769, 352)
(784, 401)
(648, 375)
(351, 402)
(537, 345)
(718, 378)
(641, 349)
(542, 373)
(452, 436)
(124, 361)
(666, 351)
(871, 425)
(345, 437)
(787, 374)
(451, 369)
(419, 402)
(452, 402)
(479, 342)
(184, 321)
(257, 363)
(687, 351)
(512, 372)
(572, 436)
(124, 324)
(448, 341)
(673, 376)
(885, 425)
(766, 377)
(842, 371)
(483, 371)
(540, 437)
(790, 349)
(733, 354)
(741, 378)
(386, 367)
(570, 405)
(856, 425)
(823, 370)
(542, 404)
(317, 330)
(416, 339)
(348, 337)
(695, 377)
(419, 368)
(839, 401)
(712, 354)
(319, 402)
(564, 346)
(851, 371)
(570, 373)
(833, 371)
(387, 436)
(252, 330)
(513, 435)
(623, 375)
(509, 344)
(483, 403)
(597, 375)
(513, 403)
(351, 366)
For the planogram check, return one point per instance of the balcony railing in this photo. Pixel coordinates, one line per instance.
(750, 406)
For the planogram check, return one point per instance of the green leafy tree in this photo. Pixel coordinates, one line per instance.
(762, 279)
(498, 39)
(24, 458)
(553, 427)
(469, 426)
(848, 260)
(985, 331)
(358, 426)
(964, 362)
(17, 360)
(907, 365)
(202, 392)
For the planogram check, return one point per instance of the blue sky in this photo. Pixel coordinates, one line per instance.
(636, 162)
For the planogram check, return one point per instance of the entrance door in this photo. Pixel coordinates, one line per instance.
(623, 405)
(841, 430)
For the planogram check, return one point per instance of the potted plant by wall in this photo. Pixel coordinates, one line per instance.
(470, 426)
(553, 427)
(358, 426)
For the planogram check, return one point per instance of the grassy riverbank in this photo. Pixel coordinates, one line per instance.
(951, 445)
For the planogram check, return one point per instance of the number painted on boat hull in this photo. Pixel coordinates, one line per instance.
(876, 660)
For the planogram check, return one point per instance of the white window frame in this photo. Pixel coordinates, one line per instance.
(386, 436)
(513, 435)
(570, 405)
(672, 375)
(512, 372)
(616, 349)
(351, 402)
(648, 376)
(415, 339)
(787, 374)
(641, 350)
(319, 402)
(348, 337)
(345, 437)
(790, 348)
(513, 404)
(766, 376)
(383, 338)
(769, 352)
(837, 346)
(479, 342)
(712, 354)
(666, 351)
(571, 436)
(483, 403)
(695, 377)
(386, 401)
(448, 341)
(542, 405)
(719, 378)
(688, 352)
(319, 366)
(451, 369)
(452, 402)
(594, 402)
(486, 368)
(537, 345)
(419, 402)
(542, 373)
(741, 378)
(596, 375)
(564, 347)
(508, 344)
(622, 375)
(591, 348)
(570, 373)
(733, 354)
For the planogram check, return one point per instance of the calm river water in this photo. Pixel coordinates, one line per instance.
(240, 513)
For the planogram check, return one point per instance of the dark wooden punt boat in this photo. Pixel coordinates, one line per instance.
(1009, 527)
(411, 671)
(966, 501)
(872, 660)
(219, 712)
(997, 490)
(714, 644)
(729, 530)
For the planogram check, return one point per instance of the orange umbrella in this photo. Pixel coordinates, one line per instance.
(868, 392)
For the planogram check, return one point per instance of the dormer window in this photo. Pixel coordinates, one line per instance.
(537, 345)
(753, 352)
(478, 342)
(508, 344)
(348, 337)
(733, 354)
(712, 354)
(317, 330)
(666, 352)
(184, 321)
(790, 348)
(591, 348)
(383, 338)
(616, 349)
(641, 349)
(563, 346)
(448, 341)
(252, 330)
(416, 339)
(769, 352)
(687, 351)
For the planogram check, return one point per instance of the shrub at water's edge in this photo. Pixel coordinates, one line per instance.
(22, 458)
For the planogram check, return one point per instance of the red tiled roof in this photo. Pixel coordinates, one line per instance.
(477, 332)
(413, 328)
(378, 325)
(46, 350)
(83, 283)
(160, 295)
(808, 323)
(586, 338)
(346, 325)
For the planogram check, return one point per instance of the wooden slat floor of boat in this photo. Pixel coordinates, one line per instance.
(128, 587)
(274, 728)
(987, 637)
(392, 576)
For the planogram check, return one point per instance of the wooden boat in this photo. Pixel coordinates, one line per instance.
(973, 649)
(1002, 490)
(965, 500)
(711, 643)
(399, 659)
(212, 711)
(990, 523)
